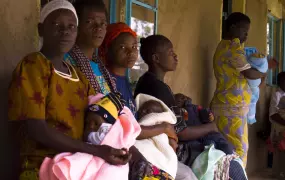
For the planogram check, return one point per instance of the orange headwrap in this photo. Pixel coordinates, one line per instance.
(113, 31)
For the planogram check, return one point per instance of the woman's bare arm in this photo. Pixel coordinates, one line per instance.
(151, 131)
(40, 132)
(196, 132)
(253, 74)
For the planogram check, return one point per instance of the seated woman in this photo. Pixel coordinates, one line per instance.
(107, 122)
(120, 52)
(48, 97)
(161, 58)
(91, 32)
(157, 51)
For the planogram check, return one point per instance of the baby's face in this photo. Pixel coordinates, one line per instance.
(180, 100)
(150, 107)
(93, 121)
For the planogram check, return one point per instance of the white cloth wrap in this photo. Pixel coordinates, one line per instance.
(157, 149)
(97, 137)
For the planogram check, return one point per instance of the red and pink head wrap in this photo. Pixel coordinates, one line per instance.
(113, 31)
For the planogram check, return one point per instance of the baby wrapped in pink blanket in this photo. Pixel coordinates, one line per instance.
(109, 123)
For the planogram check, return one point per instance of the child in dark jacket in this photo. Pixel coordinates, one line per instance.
(196, 115)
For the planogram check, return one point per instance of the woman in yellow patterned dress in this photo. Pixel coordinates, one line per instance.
(230, 103)
(48, 97)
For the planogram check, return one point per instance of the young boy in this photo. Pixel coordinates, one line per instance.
(196, 115)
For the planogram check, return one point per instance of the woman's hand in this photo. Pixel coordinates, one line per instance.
(173, 144)
(263, 75)
(50, 137)
(211, 117)
(262, 82)
(272, 63)
(169, 131)
(213, 127)
(113, 156)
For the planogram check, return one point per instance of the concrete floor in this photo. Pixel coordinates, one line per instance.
(262, 175)
(257, 155)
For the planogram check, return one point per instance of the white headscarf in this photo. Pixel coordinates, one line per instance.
(55, 5)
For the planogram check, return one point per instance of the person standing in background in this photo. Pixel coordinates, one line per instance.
(231, 100)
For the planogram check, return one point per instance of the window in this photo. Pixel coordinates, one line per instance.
(273, 46)
(113, 11)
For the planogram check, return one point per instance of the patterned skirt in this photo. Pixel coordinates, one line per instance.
(232, 123)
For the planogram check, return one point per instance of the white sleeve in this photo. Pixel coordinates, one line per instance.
(275, 98)
(97, 137)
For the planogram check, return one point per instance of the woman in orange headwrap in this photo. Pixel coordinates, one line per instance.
(119, 52)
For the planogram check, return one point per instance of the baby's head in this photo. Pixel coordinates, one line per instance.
(93, 121)
(181, 99)
(104, 109)
(258, 55)
(257, 59)
(149, 107)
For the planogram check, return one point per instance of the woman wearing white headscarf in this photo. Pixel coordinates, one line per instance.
(48, 96)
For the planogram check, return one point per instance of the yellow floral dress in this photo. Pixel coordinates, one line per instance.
(231, 100)
(37, 92)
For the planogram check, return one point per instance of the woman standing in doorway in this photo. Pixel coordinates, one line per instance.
(230, 103)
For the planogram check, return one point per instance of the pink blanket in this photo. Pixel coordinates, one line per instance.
(81, 166)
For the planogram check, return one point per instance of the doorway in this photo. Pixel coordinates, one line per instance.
(227, 10)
